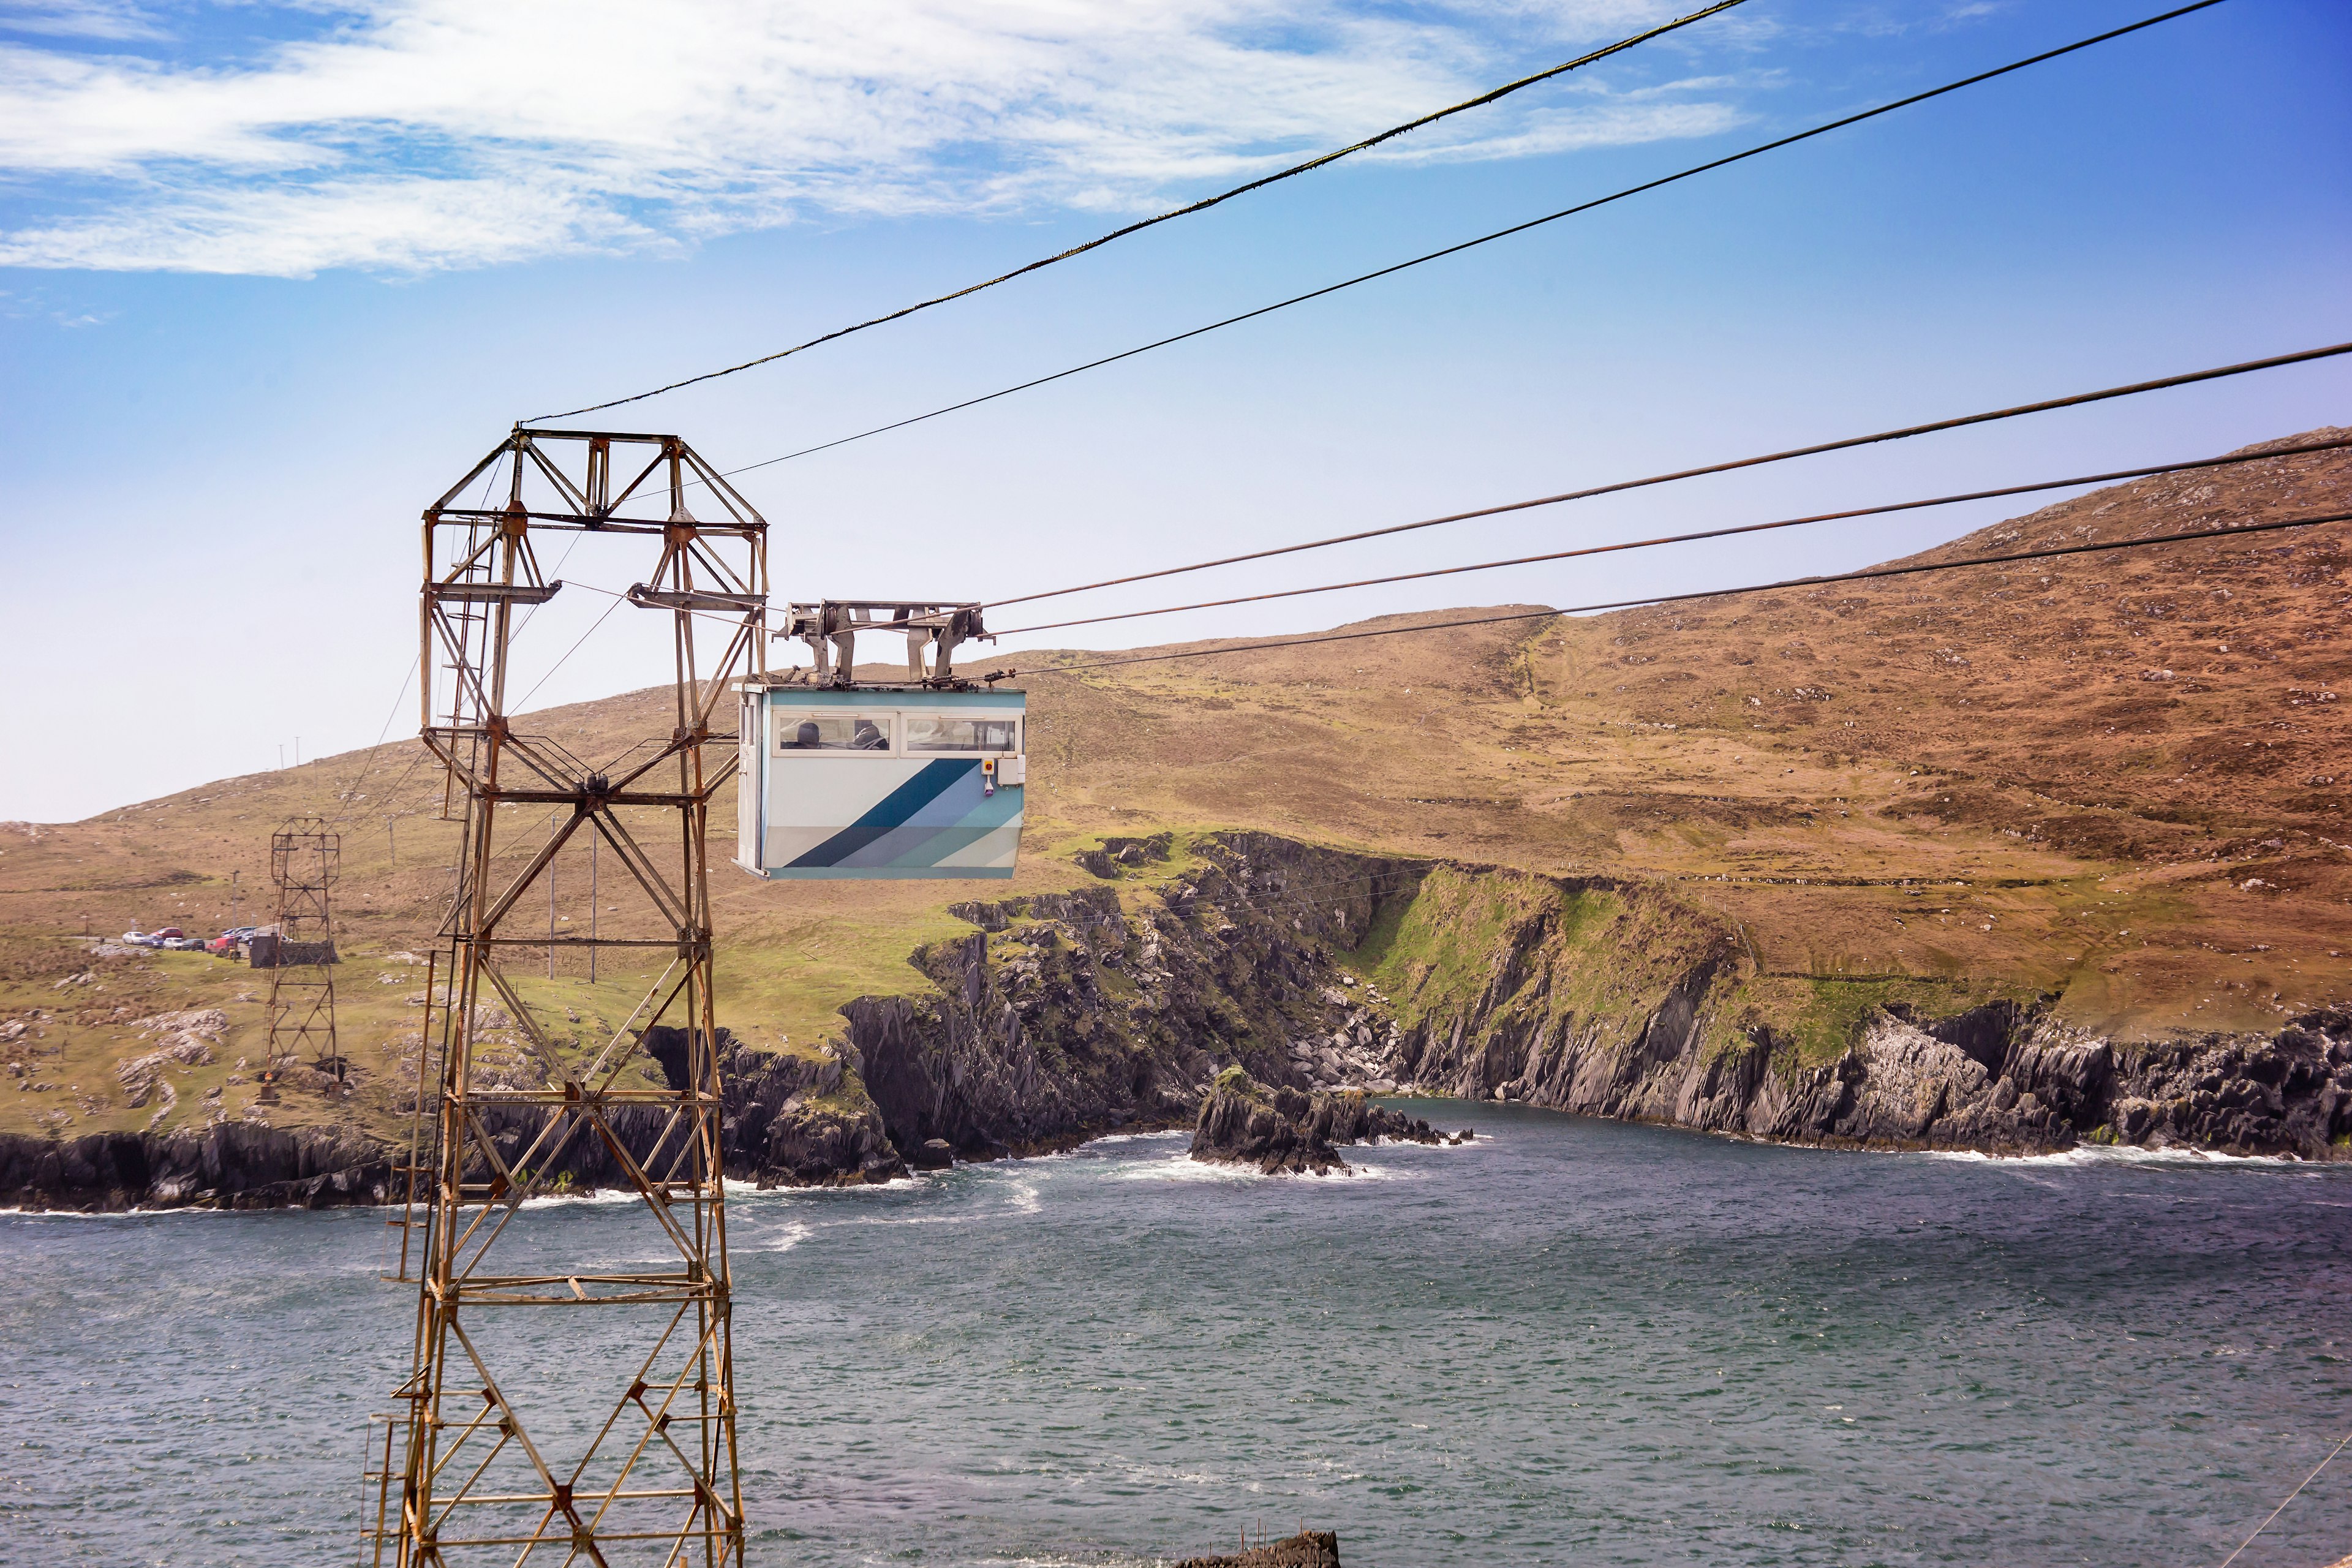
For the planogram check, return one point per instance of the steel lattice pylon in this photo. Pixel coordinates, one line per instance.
(304, 859)
(488, 1459)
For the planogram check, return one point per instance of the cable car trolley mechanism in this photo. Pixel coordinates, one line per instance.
(840, 779)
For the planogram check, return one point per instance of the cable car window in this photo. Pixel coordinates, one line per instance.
(833, 732)
(954, 732)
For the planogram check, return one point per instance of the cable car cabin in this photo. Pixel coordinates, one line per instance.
(871, 781)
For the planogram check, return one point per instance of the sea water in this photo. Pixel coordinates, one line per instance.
(1571, 1341)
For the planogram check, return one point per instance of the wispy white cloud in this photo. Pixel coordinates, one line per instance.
(423, 135)
(111, 19)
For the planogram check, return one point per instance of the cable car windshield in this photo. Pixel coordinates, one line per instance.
(957, 732)
(834, 731)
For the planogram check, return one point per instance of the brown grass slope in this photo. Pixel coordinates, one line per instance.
(2118, 779)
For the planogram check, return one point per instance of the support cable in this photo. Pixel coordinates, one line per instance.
(1202, 206)
(1905, 432)
(1761, 148)
(618, 599)
(1864, 575)
(367, 758)
(2290, 1498)
(2203, 463)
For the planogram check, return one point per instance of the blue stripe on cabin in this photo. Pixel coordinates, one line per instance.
(900, 807)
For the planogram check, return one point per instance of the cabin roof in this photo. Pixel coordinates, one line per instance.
(879, 695)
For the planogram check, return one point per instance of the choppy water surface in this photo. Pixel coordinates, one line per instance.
(1572, 1342)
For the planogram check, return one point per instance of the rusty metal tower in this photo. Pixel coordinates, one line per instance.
(305, 860)
(565, 1405)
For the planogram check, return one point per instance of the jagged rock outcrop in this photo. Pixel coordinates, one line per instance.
(1284, 1130)
(795, 1120)
(1308, 1549)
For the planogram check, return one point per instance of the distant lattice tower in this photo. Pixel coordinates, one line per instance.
(305, 861)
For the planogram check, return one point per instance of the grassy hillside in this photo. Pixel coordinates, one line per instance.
(2120, 779)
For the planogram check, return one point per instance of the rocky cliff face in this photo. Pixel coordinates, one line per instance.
(232, 1164)
(1066, 1016)
(1603, 999)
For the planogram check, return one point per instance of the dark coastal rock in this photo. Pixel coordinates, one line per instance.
(791, 1122)
(1308, 1549)
(1284, 1132)
(230, 1165)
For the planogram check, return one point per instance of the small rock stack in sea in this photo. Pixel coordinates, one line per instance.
(1286, 1132)
(1308, 1549)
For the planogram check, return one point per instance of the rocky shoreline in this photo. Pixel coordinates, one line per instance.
(1064, 1016)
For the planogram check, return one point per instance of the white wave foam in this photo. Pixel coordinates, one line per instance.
(751, 1194)
(157, 1212)
(601, 1195)
(1364, 1171)
(784, 1238)
(1161, 1137)
(1184, 1168)
(2125, 1154)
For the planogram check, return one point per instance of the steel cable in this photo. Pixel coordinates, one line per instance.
(2290, 1498)
(1704, 533)
(1618, 487)
(1822, 130)
(1317, 161)
(1864, 575)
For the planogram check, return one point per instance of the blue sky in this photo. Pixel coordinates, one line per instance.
(272, 277)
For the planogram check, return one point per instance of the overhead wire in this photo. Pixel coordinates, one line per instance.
(618, 600)
(2109, 477)
(1848, 443)
(367, 758)
(1317, 161)
(1824, 580)
(2335, 444)
(2288, 1499)
(1696, 169)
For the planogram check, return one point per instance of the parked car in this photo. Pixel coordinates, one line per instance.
(143, 937)
(184, 943)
